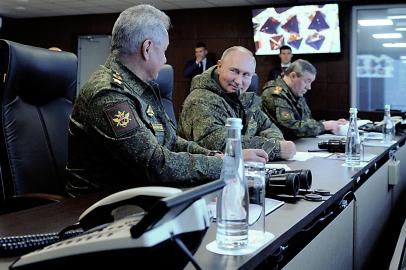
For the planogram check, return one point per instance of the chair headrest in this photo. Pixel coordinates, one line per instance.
(35, 74)
(254, 86)
(165, 81)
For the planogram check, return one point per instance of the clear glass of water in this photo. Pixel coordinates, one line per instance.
(255, 177)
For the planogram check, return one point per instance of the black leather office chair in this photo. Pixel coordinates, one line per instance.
(36, 94)
(165, 82)
(254, 86)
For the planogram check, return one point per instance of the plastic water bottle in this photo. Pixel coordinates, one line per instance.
(233, 201)
(388, 127)
(353, 142)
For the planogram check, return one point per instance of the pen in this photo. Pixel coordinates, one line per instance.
(317, 150)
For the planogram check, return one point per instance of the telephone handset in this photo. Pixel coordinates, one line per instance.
(123, 203)
(158, 225)
(113, 207)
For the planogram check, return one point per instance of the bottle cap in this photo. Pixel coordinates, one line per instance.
(234, 123)
(353, 110)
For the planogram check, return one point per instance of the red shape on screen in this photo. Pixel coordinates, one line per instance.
(292, 25)
(277, 42)
(270, 26)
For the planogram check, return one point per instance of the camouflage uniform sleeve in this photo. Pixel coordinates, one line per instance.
(300, 128)
(136, 146)
(270, 131)
(204, 123)
(183, 145)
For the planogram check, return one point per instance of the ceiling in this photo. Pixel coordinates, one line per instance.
(45, 8)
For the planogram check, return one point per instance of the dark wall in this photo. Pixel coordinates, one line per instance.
(220, 28)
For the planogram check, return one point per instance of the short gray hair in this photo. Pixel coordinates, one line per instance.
(238, 48)
(135, 25)
(300, 66)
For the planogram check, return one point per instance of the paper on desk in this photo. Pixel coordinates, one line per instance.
(343, 129)
(330, 137)
(341, 156)
(303, 156)
(378, 143)
(372, 136)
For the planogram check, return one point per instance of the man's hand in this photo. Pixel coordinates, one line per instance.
(257, 155)
(288, 149)
(199, 59)
(342, 121)
(332, 126)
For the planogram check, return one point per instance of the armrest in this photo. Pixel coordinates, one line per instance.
(29, 200)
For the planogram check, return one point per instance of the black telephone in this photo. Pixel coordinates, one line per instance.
(154, 226)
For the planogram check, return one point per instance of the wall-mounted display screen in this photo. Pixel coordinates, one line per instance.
(306, 29)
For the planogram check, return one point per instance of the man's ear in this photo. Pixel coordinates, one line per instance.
(219, 63)
(146, 49)
(293, 75)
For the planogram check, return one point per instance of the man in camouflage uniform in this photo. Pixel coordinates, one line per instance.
(119, 134)
(220, 93)
(283, 102)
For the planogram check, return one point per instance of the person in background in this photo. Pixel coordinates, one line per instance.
(283, 102)
(119, 134)
(285, 55)
(220, 93)
(199, 64)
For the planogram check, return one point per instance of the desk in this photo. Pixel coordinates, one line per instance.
(339, 243)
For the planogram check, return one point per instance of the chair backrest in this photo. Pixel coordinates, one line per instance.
(254, 86)
(36, 94)
(165, 82)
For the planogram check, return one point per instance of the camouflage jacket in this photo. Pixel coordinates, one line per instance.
(290, 113)
(120, 137)
(207, 107)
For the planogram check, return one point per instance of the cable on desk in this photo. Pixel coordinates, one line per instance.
(185, 250)
(21, 244)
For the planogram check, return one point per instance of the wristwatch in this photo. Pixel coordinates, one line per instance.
(213, 153)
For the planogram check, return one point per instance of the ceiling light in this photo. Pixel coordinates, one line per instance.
(377, 22)
(397, 17)
(394, 45)
(387, 35)
(400, 29)
(403, 57)
(20, 8)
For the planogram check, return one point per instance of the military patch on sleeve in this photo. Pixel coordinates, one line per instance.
(121, 118)
(286, 115)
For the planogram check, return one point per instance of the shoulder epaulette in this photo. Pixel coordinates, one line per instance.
(277, 90)
(116, 79)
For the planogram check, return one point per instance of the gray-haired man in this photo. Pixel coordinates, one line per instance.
(119, 134)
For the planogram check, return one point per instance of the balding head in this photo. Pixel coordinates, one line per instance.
(235, 69)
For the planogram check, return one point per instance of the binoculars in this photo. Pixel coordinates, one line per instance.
(279, 181)
(333, 146)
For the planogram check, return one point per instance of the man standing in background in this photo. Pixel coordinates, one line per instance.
(285, 54)
(199, 64)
